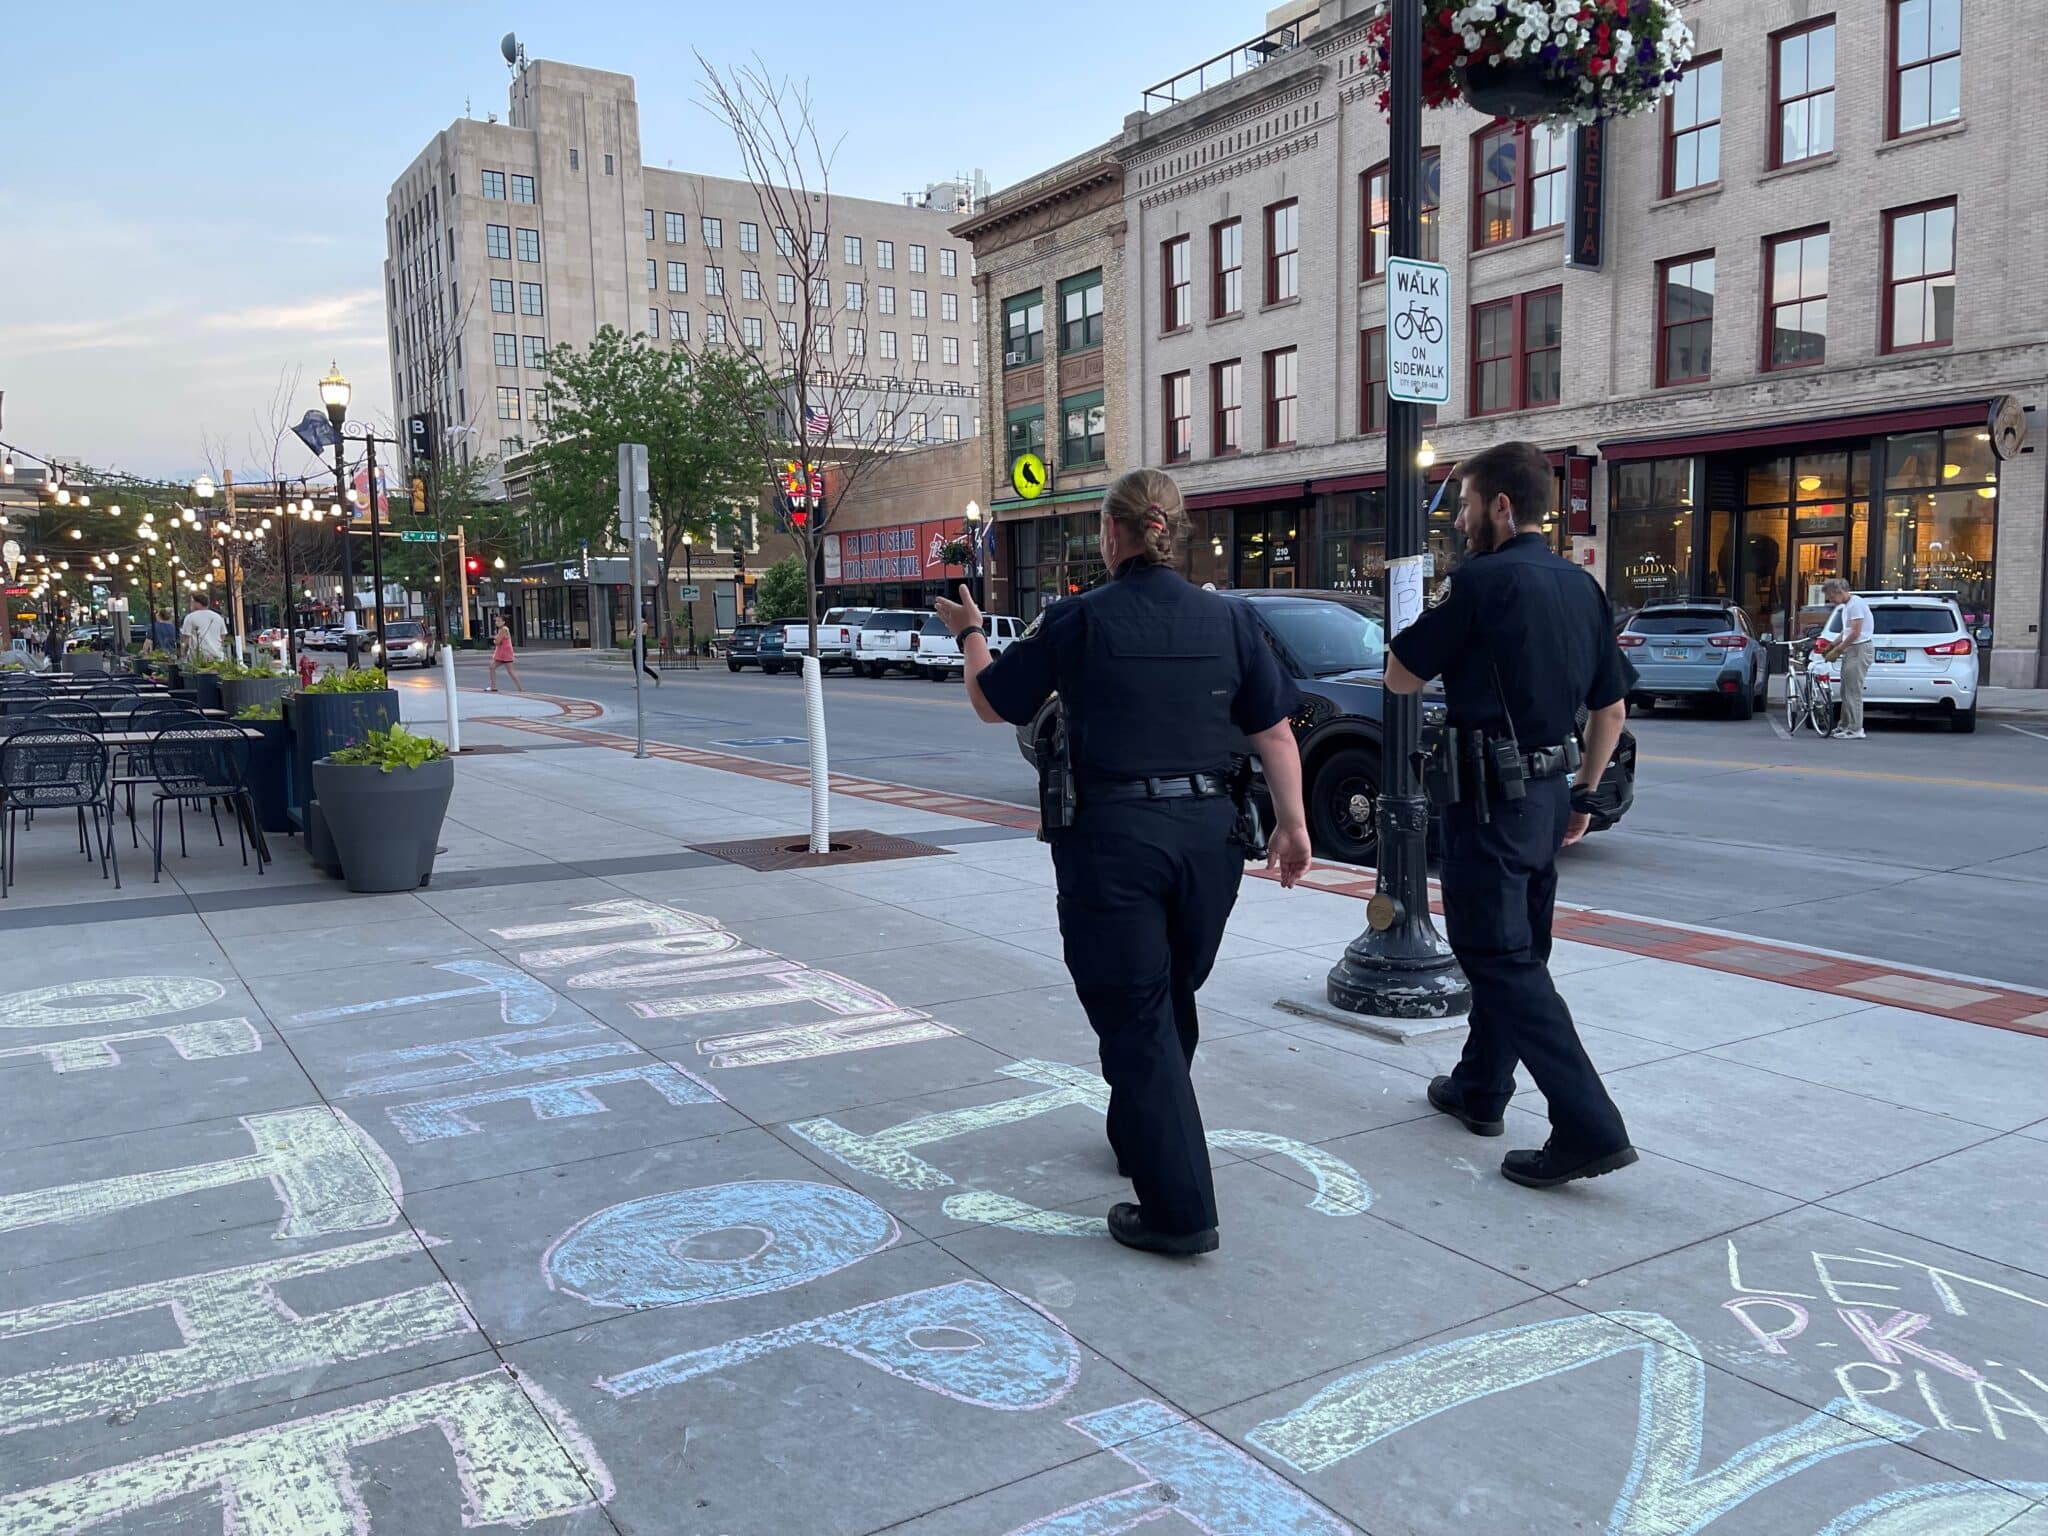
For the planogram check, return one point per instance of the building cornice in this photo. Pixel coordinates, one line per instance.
(1062, 184)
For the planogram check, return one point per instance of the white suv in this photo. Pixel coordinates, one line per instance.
(883, 641)
(937, 653)
(1924, 656)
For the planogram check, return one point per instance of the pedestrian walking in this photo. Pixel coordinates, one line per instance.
(53, 643)
(1521, 639)
(204, 634)
(1855, 653)
(640, 654)
(501, 656)
(163, 633)
(1144, 800)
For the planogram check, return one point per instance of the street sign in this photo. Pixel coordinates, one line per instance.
(1418, 331)
(689, 594)
(1028, 476)
(419, 536)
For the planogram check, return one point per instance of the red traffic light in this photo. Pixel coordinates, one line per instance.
(798, 518)
(473, 565)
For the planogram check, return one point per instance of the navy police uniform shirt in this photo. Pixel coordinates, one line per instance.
(1538, 620)
(1156, 676)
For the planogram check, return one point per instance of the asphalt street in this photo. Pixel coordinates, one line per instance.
(1915, 845)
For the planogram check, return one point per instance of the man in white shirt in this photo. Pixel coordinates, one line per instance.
(1854, 651)
(204, 634)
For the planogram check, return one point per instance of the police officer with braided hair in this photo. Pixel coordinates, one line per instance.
(1521, 640)
(1161, 685)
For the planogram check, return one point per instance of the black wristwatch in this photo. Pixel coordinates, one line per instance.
(1585, 800)
(972, 629)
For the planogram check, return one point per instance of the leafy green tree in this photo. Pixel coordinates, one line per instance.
(780, 593)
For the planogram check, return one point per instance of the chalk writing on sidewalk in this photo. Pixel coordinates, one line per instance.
(201, 1040)
(109, 1000)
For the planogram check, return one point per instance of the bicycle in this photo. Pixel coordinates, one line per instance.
(1809, 700)
(1417, 318)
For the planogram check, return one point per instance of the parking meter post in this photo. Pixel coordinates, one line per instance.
(448, 689)
(632, 518)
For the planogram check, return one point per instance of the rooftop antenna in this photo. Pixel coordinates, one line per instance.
(514, 52)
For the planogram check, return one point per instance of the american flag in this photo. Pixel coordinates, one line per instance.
(817, 422)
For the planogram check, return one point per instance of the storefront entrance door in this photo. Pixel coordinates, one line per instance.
(1815, 562)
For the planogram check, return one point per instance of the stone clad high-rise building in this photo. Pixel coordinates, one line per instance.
(506, 239)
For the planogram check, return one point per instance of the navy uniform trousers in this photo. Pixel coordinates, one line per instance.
(1500, 888)
(1145, 889)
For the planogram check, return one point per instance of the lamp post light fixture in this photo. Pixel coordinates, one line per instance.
(1425, 456)
(973, 521)
(690, 608)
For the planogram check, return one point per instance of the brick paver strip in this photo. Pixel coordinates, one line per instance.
(2010, 1008)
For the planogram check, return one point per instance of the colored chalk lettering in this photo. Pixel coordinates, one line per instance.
(1949, 1509)
(1191, 1472)
(519, 1458)
(1891, 1340)
(969, 1341)
(789, 983)
(202, 1041)
(330, 1176)
(564, 1098)
(829, 1037)
(1772, 1339)
(108, 1000)
(1339, 1189)
(662, 922)
(479, 1057)
(1665, 1493)
(666, 1250)
(235, 1328)
(521, 999)
(986, 1208)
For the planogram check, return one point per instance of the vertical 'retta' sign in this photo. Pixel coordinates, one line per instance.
(1587, 219)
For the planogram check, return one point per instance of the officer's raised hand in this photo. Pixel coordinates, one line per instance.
(958, 617)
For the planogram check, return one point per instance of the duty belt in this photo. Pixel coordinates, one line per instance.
(1547, 762)
(1172, 786)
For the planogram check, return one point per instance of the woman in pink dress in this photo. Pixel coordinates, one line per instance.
(501, 656)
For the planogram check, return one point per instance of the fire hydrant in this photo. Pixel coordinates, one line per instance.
(305, 670)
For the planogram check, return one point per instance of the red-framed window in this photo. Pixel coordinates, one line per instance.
(1920, 276)
(1518, 182)
(1692, 128)
(1803, 92)
(1226, 407)
(1226, 269)
(1176, 284)
(1283, 251)
(1282, 389)
(1796, 299)
(1177, 398)
(1517, 352)
(1376, 212)
(1685, 319)
(1429, 199)
(1372, 380)
(1927, 64)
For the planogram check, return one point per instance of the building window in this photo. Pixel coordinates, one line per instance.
(917, 429)
(1517, 350)
(1082, 434)
(821, 341)
(1796, 290)
(917, 304)
(785, 288)
(508, 402)
(1023, 329)
(676, 227)
(750, 284)
(1081, 311)
(1429, 200)
(498, 241)
(885, 255)
(654, 322)
(529, 245)
(1685, 319)
(785, 330)
(1377, 210)
(505, 350)
(949, 351)
(501, 296)
(575, 161)
(750, 331)
(678, 277)
(1282, 386)
(817, 246)
(1692, 128)
(714, 231)
(1372, 380)
(920, 347)
(647, 222)
(856, 296)
(1226, 264)
(1941, 519)
(1177, 393)
(607, 165)
(949, 425)
(949, 262)
(714, 282)
(1283, 252)
(849, 250)
(885, 299)
(750, 236)
(887, 341)
(856, 341)
(1650, 528)
(679, 325)
(1518, 183)
(917, 258)
(494, 186)
(785, 244)
(653, 274)
(1176, 285)
(821, 293)
(529, 299)
(949, 307)
(1927, 63)
(1023, 432)
(1226, 407)
(536, 350)
(522, 189)
(1920, 277)
(714, 330)
(1803, 88)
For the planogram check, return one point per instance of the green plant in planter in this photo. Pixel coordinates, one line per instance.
(364, 680)
(230, 670)
(386, 750)
(274, 710)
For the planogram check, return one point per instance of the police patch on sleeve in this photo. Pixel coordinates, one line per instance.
(1443, 590)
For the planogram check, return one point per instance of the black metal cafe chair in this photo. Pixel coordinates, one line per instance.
(198, 761)
(146, 715)
(49, 766)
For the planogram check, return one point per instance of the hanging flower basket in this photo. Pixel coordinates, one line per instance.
(1555, 61)
(957, 552)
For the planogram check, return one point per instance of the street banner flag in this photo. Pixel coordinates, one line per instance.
(315, 431)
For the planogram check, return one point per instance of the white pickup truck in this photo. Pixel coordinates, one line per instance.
(835, 637)
(937, 654)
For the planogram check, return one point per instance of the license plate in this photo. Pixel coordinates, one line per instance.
(1891, 655)
(1677, 653)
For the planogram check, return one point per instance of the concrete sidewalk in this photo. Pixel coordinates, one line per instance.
(605, 1185)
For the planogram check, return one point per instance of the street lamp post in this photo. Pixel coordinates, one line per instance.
(690, 607)
(334, 394)
(974, 548)
(1400, 967)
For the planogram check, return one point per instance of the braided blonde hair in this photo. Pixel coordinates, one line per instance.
(1149, 514)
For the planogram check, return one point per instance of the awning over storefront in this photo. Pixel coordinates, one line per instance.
(1956, 413)
(1249, 496)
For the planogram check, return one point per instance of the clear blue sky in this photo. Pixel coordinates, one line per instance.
(191, 200)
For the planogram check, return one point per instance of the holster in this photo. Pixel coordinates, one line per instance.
(1056, 801)
(1248, 830)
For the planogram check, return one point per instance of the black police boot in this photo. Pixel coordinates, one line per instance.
(1444, 1097)
(1554, 1166)
(1127, 1226)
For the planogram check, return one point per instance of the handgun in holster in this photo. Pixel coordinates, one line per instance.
(1436, 765)
(1472, 773)
(1055, 777)
(1248, 830)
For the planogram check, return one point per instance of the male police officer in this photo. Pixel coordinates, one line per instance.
(1521, 640)
(1161, 684)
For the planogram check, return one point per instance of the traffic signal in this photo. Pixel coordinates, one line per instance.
(474, 565)
(419, 494)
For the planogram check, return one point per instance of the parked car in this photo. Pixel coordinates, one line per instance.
(883, 641)
(937, 653)
(410, 644)
(1333, 644)
(757, 645)
(335, 638)
(836, 632)
(1924, 657)
(1696, 650)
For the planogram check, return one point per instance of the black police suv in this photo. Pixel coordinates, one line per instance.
(1333, 644)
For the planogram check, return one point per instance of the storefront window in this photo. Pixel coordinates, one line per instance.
(1351, 543)
(1206, 559)
(1941, 518)
(1268, 546)
(1651, 529)
(1054, 557)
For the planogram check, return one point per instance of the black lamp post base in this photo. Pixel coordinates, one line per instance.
(1398, 975)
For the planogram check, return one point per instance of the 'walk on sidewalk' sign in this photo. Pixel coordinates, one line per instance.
(1418, 331)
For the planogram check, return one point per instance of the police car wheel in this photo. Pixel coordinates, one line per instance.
(1343, 805)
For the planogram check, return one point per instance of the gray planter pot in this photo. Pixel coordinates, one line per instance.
(205, 687)
(385, 825)
(238, 693)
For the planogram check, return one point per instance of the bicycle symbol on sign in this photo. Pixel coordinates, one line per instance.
(1417, 320)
